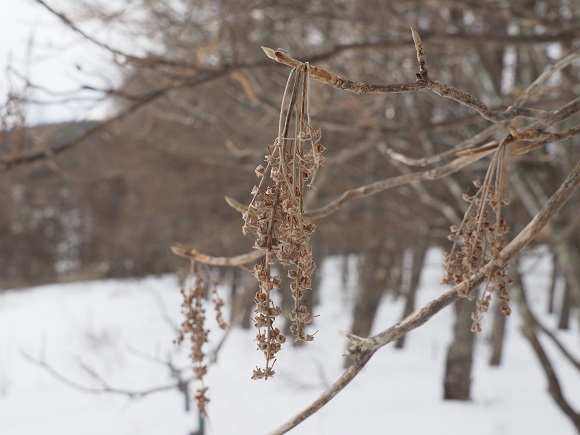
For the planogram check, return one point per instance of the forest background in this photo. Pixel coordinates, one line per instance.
(188, 104)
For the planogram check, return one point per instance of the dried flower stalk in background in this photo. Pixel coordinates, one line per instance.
(194, 324)
(480, 238)
(275, 218)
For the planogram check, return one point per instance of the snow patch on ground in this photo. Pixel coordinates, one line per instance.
(116, 328)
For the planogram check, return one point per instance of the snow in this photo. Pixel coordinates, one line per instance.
(117, 328)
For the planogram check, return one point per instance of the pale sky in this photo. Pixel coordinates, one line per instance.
(59, 60)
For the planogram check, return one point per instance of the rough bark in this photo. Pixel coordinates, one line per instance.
(564, 318)
(419, 251)
(457, 381)
(497, 336)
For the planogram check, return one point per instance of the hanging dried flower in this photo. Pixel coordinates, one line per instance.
(480, 238)
(275, 218)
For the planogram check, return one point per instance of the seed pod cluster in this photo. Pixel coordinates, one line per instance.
(275, 218)
(480, 239)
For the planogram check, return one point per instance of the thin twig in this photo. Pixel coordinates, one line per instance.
(379, 186)
(217, 261)
(105, 389)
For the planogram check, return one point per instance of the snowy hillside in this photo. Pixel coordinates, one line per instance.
(114, 331)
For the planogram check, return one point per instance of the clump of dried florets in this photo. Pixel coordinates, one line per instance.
(275, 218)
(193, 326)
(480, 239)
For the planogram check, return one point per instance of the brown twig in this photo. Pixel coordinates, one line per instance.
(379, 186)
(238, 260)
(423, 81)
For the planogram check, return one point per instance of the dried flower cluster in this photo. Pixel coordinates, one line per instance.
(275, 218)
(479, 240)
(194, 324)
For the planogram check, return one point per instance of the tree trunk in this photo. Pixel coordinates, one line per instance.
(373, 276)
(457, 382)
(497, 336)
(372, 282)
(553, 284)
(419, 252)
(564, 319)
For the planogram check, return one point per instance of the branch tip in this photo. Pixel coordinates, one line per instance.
(235, 204)
(182, 251)
(269, 52)
(416, 38)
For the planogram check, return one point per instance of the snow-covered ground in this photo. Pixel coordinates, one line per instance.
(114, 330)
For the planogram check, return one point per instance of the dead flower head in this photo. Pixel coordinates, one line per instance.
(479, 240)
(193, 326)
(275, 218)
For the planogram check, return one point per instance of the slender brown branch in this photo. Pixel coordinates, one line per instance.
(378, 186)
(338, 82)
(543, 138)
(430, 160)
(565, 352)
(538, 84)
(553, 382)
(238, 260)
(423, 81)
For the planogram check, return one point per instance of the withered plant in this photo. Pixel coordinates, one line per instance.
(480, 238)
(275, 218)
(201, 287)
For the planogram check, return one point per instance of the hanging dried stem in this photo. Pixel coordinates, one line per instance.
(480, 237)
(275, 218)
(194, 324)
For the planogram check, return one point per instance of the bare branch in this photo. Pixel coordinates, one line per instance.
(105, 388)
(423, 81)
(538, 84)
(425, 161)
(378, 186)
(238, 260)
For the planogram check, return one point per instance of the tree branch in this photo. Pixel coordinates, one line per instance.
(423, 81)
(238, 260)
(378, 186)
(105, 387)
